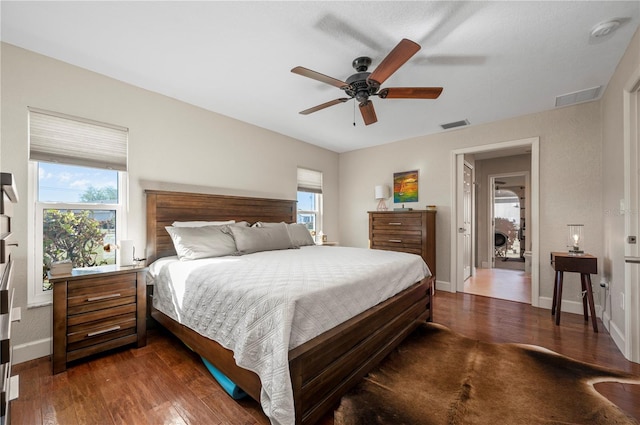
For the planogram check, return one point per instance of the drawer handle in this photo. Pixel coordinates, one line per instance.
(395, 240)
(395, 224)
(103, 297)
(104, 331)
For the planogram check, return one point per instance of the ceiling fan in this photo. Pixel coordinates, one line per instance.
(363, 84)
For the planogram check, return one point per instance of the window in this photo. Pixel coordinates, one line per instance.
(78, 174)
(310, 200)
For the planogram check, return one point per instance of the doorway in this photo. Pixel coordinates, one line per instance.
(512, 148)
(507, 220)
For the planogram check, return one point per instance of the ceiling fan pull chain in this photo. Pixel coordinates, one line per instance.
(354, 114)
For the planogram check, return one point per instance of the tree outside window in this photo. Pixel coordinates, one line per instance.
(78, 208)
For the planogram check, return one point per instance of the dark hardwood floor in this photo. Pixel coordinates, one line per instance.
(165, 383)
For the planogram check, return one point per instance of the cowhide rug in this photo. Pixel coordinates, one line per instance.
(439, 377)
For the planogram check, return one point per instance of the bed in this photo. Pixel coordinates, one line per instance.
(321, 369)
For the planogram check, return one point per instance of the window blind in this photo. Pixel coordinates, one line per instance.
(309, 180)
(56, 137)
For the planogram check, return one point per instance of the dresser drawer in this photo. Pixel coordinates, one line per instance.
(396, 222)
(5, 371)
(399, 248)
(6, 291)
(7, 243)
(396, 239)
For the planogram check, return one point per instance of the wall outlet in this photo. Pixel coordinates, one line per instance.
(622, 300)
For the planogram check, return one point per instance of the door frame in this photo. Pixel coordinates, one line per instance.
(457, 161)
(473, 224)
(631, 97)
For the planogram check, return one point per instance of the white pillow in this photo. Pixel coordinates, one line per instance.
(255, 239)
(201, 223)
(192, 243)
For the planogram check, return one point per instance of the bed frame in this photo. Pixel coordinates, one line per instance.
(322, 369)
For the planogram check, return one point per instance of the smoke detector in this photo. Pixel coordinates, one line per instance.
(605, 28)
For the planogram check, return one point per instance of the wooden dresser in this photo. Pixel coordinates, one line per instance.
(97, 309)
(406, 231)
(8, 384)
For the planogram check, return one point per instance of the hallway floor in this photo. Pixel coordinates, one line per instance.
(512, 285)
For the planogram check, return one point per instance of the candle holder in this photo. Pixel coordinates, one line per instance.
(575, 239)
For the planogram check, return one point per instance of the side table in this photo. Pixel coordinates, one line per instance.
(586, 265)
(97, 309)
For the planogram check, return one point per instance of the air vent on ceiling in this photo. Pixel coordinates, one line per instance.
(578, 96)
(454, 124)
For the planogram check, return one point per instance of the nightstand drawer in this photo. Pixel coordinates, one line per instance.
(87, 295)
(86, 334)
(94, 316)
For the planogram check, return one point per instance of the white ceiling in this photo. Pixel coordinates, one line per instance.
(495, 60)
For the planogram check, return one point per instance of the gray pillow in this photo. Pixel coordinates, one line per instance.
(255, 239)
(192, 243)
(300, 235)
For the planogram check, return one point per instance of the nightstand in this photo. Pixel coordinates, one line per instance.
(584, 264)
(97, 309)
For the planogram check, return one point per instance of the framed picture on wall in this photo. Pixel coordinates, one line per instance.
(405, 186)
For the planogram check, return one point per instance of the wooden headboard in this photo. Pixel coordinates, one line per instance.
(163, 208)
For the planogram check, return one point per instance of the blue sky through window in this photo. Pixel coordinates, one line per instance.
(306, 201)
(67, 183)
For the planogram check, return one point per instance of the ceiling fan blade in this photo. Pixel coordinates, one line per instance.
(394, 60)
(324, 105)
(368, 113)
(410, 93)
(319, 77)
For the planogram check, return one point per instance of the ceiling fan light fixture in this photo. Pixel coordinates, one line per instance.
(605, 28)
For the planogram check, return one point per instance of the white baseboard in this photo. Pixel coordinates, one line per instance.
(443, 286)
(568, 306)
(618, 336)
(606, 321)
(31, 350)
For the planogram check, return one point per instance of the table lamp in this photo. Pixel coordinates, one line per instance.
(382, 192)
(575, 239)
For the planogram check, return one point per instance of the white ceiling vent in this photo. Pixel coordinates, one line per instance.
(578, 96)
(454, 124)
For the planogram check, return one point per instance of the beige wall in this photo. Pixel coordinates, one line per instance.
(613, 183)
(171, 145)
(570, 181)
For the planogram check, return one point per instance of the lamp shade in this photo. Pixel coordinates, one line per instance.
(382, 192)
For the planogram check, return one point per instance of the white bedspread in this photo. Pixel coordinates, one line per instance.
(262, 305)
